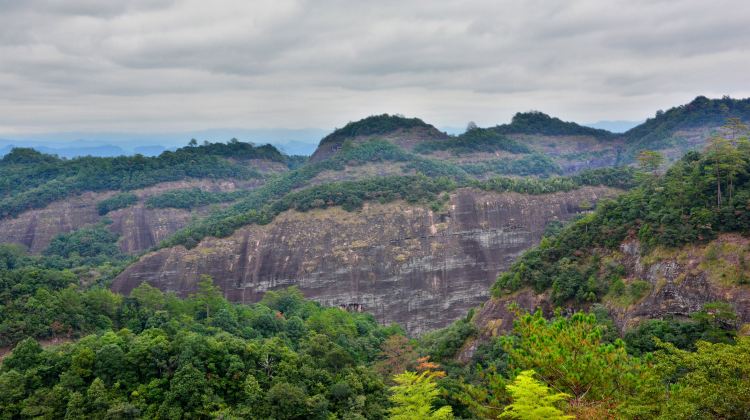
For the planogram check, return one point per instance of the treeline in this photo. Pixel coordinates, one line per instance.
(536, 164)
(578, 366)
(189, 198)
(699, 197)
(536, 122)
(158, 356)
(474, 140)
(40, 295)
(348, 194)
(260, 208)
(29, 179)
(116, 202)
(373, 125)
(622, 177)
(701, 111)
(236, 149)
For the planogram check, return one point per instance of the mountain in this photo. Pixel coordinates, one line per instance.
(401, 131)
(668, 249)
(174, 285)
(388, 205)
(539, 123)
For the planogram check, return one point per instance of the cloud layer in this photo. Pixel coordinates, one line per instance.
(87, 65)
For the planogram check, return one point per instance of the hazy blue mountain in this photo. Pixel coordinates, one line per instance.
(616, 126)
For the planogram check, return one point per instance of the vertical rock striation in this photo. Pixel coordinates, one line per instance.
(403, 263)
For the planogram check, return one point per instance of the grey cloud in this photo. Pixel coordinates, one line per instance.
(92, 65)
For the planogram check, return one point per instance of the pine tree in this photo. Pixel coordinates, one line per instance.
(533, 400)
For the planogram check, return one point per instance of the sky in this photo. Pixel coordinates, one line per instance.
(149, 66)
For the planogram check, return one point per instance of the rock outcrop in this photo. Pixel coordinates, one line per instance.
(403, 263)
(140, 227)
(681, 281)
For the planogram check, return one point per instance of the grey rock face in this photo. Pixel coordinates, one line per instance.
(403, 263)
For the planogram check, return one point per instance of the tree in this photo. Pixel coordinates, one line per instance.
(650, 161)
(711, 382)
(471, 126)
(209, 295)
(533, 400)
(397, 355)
(569, 356)
(725, 163)
(193, 143)
(414, 395)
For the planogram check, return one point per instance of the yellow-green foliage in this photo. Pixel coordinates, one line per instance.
(533, 400)
(413, 398)
(726, 263)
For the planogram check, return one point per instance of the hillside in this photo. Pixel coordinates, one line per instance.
(198, 209)
(184, 258)
(401, 131)
(666, 249)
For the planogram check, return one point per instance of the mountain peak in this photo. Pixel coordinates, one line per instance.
(537, 122)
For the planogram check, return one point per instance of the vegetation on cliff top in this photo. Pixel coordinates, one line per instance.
(374, 125)
(700, 112)
(474, 140)
(697, 198)
(29, 179)
(539, 123)
(260, 206)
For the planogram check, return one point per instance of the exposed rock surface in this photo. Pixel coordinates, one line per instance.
(400, 262)
(681, 282)
(141, 228)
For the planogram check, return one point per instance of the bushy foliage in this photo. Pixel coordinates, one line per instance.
(476, 140)
(531, 164)
(614, 177)
(533, 400)
(373, 125)
(536, 122)
(191, 198)
(715, 323)
(709, 383)
(26, 186)
(668, 210)
(89, 245)
(163, 357)
(658, 130)
(414, 396)
(116, 202)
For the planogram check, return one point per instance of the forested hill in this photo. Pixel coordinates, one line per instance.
(29, 179)
(535, 122)
(638, 310)
(701, 112)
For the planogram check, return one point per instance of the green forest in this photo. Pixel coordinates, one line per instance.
(29, 179)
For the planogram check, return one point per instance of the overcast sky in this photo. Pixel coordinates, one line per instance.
(174, 65)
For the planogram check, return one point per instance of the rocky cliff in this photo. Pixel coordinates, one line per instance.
(402, 263)
(140, 227)
(679, 282)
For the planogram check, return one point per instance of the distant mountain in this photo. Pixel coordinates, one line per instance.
(149, 150)
(104, 144)
(106, 150)
(617, 126)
